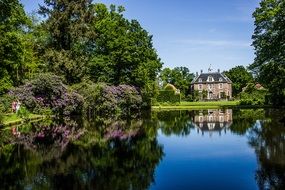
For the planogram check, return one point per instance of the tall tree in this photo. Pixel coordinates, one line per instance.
(70, 39)
(124, 52)
(180, 77)
(269, 43)
(240, 77)
(16, 45)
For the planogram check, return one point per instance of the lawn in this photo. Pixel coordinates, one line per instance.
(9, 119)
(198, 105)
(214, 103)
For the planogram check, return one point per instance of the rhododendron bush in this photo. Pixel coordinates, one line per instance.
(110, 101)
(48, 91)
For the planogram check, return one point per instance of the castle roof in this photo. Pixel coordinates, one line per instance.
(216, 76)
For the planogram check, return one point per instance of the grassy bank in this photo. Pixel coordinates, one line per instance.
(11, 119)
(198, 105)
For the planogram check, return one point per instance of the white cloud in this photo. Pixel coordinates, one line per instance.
(215, 43)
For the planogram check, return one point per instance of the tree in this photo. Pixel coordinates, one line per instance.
(240, 78)
(16, 45)
(70, 37)
(124, 52)
(269, 42)
(179, 77)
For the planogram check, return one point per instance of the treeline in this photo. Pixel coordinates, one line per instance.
(181, 78)
(79, 42)
(268, 68)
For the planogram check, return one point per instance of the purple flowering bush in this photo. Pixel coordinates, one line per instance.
(124, 100)
(48, 92)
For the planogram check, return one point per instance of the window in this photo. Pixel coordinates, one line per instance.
(220, 79)
(210, 118)
(221, 85)
(210, 79)
(210, 86)
(200, 80)
(200, 86)
(221, 119)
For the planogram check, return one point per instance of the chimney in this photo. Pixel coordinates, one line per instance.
(196, 73)
(201, 71)
(218, 70)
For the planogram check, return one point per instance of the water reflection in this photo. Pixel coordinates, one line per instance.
(213, 120)
(268, 140)
(127, 154)
(126, 160)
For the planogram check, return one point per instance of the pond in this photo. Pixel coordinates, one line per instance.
(195, 149)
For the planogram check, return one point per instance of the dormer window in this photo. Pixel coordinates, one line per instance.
(220, 79)
(210, 79)
(200, 80)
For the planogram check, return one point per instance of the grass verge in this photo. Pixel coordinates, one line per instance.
(197, 105)
(11, 119)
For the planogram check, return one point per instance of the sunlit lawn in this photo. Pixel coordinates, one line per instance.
(213, 103)
(13, 118)
(198, 105)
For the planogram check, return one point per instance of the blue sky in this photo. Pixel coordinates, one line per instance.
(193, 33)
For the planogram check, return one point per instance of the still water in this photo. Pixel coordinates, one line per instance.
(201, 149)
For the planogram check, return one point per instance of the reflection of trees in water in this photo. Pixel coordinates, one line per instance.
(107, 163)
(268, 140)
(174, 122)
(243, 119)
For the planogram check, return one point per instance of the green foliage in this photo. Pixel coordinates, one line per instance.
(16, 45)
(78, 41)
(268, 41)
(204, 94)
(124, 52)
(1, 114)
(47, 91)
(70, 36)
(101, 100)
(180, 77)
(6, 103)
(223, 95)
(168, 96)
(23, 113)
(253, 97)
(170, 87)
(240, 78)
(196, 95)
(149, 94)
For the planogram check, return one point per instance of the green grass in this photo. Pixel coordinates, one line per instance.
(214, 103)
(198, 105)
(13, 118)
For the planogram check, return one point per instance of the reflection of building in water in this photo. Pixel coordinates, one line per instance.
(213, 120)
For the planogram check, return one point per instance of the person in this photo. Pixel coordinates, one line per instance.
(18, 106)
(15, 131)
(14, 103)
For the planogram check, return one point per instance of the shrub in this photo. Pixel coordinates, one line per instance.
(48, 91)
(168, 96)
(23, 113)
(6, 103)
(109, 101)
(170, 87)
(1, 115)
(255, 97)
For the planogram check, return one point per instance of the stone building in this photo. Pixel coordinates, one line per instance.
(211, 86)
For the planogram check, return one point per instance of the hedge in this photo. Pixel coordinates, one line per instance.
(168, 96)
